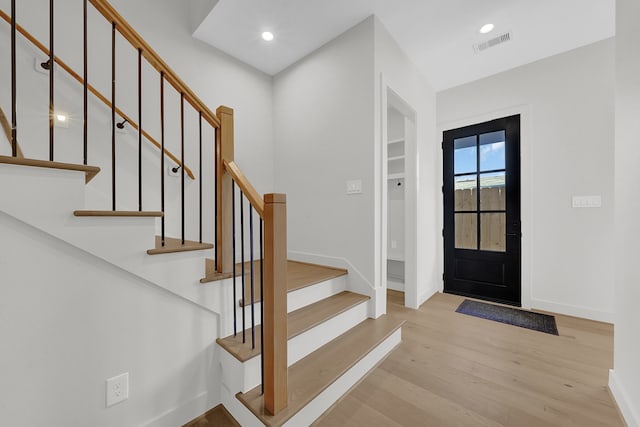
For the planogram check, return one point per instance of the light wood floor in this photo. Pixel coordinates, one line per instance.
(457, 370)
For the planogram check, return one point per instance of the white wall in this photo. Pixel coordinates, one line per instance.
(69, 321)
(324, 133)
(566, 103)
(394, 70)
(624, 380)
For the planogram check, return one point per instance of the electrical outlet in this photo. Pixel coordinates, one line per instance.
(117, 389)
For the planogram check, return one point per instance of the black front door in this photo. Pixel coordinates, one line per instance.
(482, 210)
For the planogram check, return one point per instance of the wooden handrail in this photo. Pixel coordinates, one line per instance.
(245, 186)
(6, 127)
(154, 59)
(95, 92)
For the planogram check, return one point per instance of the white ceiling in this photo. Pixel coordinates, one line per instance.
(437, 35)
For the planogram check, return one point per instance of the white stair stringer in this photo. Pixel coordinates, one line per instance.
(243, 376)
(46, 198)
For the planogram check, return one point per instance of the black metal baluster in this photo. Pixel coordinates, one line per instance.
(244, 293)
(200, 174)
(140, 130)
(233, 243)
(253, 320)
(85, 88)
(215, 200)
(14, 114)
(182, 161)
(51, 80)
(162, 155)
(113, 116)
(261, 306)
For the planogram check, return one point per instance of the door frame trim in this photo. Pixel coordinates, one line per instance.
(526, 189)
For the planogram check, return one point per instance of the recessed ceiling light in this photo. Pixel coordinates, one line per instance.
(267, 36)
(61, 119)
(487, 28)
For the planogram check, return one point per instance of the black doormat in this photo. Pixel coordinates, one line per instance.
(511, 316)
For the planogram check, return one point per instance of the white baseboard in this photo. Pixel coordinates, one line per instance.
(629, 413)
(426, 295)
(572, 310)
(183, 413)
(395, 286)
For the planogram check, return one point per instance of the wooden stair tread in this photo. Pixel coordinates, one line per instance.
(85, 213)
(298, 322)
(313, 374)
(299, 275)
(172, 245)
(210, 273)
(90, 171)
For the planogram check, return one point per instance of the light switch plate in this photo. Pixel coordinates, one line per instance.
(586, 201)
(354, 186)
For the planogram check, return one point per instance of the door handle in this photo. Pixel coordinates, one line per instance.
(515, 234)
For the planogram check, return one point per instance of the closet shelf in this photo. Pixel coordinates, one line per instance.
(396, 175)
(395, 141)
(391, 159)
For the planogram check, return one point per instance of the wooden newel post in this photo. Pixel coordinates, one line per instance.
(224, 208)
(275, 302)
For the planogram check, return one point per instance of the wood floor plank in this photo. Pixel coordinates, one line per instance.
(216, 417)
(454, 369)
(298, 322)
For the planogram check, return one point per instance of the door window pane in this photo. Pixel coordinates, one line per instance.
(492, 151)
(465, 195)
(493, 232)
(492, 191)
(466, 231)
(465, 155)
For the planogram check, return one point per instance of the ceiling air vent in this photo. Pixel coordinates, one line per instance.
(503, 38)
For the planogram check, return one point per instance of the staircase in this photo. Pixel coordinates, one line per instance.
(331, 345)
(293, 336)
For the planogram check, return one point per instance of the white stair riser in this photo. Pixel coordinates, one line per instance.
(236, 375)
(295, 300)
(307, 415)
(314, 293)
(242, 377)
(311, 340)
